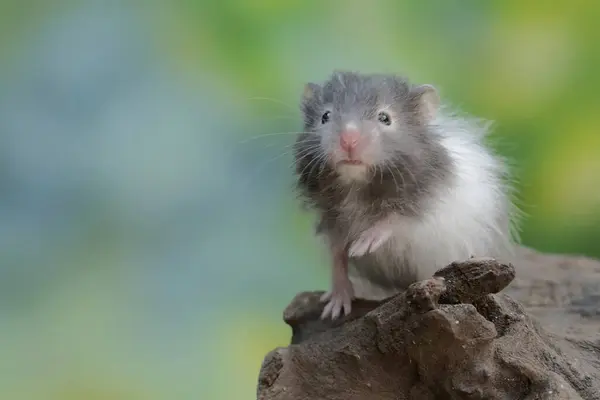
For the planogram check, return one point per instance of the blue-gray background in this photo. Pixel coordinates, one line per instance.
(149, 237)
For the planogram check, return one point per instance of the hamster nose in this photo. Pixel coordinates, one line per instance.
(349, 140)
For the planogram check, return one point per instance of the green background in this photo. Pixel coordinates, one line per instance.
(149, 236)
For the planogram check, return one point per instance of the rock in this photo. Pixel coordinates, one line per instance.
(458, 335)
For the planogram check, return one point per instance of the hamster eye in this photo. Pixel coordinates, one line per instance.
(384, 118)
(325, 117)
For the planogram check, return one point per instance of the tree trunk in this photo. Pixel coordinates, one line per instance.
(454, 336)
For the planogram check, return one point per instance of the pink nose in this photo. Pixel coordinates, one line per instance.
(349, 140)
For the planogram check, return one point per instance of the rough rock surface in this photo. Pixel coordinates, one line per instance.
(453, 336)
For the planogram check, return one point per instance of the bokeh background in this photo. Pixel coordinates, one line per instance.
(149, 236)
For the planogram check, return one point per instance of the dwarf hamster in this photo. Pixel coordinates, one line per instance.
(401, 186)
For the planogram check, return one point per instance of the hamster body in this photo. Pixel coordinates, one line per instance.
(401, 187)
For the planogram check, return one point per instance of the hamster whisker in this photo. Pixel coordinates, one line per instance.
(322, 161)
(269, 135)
(286, 146)
(405, 166)
(322, 164)
(372, 172)
(302, 154)
(401, 174)
(315, 161)
(387, 165)
(314, 144)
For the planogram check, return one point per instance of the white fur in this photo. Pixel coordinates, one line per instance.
(350, 173)
(370, 240)
(462, 220)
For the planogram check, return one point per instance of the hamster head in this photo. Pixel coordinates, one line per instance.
(364, 125)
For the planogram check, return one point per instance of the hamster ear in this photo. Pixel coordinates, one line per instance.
(427, 101)
(311, 90)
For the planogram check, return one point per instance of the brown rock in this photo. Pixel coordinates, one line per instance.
(452, 337)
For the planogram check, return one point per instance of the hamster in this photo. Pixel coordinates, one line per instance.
(401, 187)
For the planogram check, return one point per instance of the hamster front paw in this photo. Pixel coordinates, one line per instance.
(338, 299)
(369, 241)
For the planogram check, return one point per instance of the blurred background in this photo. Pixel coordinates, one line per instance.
(149, 235)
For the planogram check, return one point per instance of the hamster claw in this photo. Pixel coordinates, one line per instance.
(339, 301)
(326, 297)
(337, 307)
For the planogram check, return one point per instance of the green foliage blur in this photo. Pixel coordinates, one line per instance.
(150, 238)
